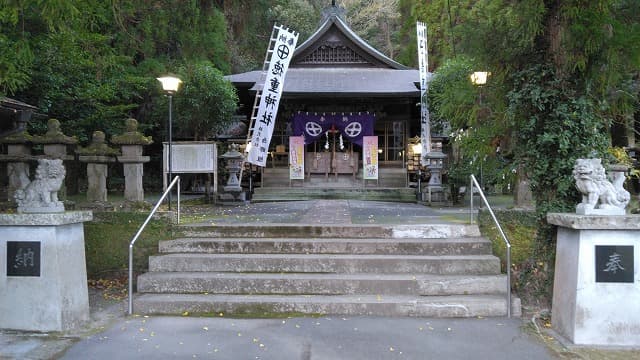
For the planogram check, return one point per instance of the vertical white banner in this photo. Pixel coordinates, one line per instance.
(370, 157)
(296, 158)
(425, 125)
(271, 92)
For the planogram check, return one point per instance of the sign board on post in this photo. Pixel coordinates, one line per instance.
(191, 157)
(370, 157)
(425, 125)
(271, 94)
(296, 158)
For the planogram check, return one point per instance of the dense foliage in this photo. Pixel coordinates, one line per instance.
(562, 72)
(92, 64)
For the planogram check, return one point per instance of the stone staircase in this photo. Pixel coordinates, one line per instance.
(406, 195)
(389, 177)
(263, 270)
(392, 186)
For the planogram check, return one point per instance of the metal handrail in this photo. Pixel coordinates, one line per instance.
(506, 241)
(175, 181)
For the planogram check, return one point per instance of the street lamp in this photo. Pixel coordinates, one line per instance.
(170, 85)
(479, 77)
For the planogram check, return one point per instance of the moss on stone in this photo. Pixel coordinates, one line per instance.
(98, 147)
(54, 135)
(18, 138)
(131, 136)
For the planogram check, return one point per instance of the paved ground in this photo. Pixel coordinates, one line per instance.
(112, 335)
(325, 212)
(327, 338)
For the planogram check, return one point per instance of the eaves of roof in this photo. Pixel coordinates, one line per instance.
(347, 82)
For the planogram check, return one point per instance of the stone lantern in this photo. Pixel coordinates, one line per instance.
(17, 159)
(55, 144)
(14, 117)
(131, 143)
(97, 155)
(435, 164)
(233, 191)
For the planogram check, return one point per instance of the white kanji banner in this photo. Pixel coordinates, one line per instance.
(270, 99)
(425, 126)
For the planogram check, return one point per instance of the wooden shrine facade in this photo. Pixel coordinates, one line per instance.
(335, 72)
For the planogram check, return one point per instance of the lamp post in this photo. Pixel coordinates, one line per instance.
(479, 78)
(170, 85)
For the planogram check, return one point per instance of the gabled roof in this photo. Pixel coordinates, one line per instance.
(335, 61)
(334, 31)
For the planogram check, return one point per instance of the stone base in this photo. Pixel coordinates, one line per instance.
(595, 302)
(55, 297)
(583, 209)
(232, 198)
(53, 208)
(432, 194)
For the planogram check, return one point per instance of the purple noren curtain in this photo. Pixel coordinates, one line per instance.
(351, 126)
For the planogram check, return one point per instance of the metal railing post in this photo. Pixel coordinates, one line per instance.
(142, 227)
(471, 201)
(504, 237)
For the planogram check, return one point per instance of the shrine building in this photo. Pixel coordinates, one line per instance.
(338, 89)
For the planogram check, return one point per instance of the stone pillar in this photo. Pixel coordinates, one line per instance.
(97, 155)
(596, 289)
(132, 161)
(131, 145)
(522, 194)
(44, 284)
(18, 171)
(97, 177)
(17, 158)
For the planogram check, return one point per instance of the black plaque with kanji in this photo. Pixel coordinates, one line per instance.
(23, 258)
(614, 264)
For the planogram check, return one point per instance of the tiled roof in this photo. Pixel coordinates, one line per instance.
(377, 75)
(346, 81)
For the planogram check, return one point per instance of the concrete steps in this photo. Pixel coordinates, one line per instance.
(345, 231)
(350, 305)
(388, 177)
(452, 246)
(409, 270)
(321, 263)
(269, 194)
(319, 284)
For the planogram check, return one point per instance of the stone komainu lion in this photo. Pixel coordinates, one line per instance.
(597, 191)
(41, 194)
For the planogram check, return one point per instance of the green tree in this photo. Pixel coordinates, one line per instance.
(171, 30)
(561, 74)
(94, 71)
(377, 21)
(19, 22)
(206, 103)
